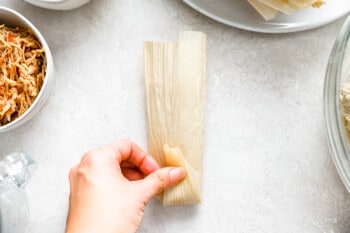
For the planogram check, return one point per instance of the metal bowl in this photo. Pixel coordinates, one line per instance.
(12, 18)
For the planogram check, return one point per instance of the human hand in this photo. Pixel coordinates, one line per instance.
(111, 186)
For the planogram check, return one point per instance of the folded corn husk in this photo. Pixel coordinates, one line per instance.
(269, 8)
(189, 190)
(175, 89)
(267, 12)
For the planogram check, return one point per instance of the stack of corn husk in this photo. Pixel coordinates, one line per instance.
(269, 8)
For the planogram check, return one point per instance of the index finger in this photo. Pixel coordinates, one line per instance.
(126, 150)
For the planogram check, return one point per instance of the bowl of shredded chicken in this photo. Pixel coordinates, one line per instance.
(26, 69)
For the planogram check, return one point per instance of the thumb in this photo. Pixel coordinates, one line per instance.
(160, 180)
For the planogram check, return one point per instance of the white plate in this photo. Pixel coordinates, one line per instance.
(238, 13)
(58, 4)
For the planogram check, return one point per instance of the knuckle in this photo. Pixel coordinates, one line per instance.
(90, 158)
(81, 171)
(89, 161)
(161, 181)
(72, 173)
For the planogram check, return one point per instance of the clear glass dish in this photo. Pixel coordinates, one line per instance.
(15, 172)
(338, 72)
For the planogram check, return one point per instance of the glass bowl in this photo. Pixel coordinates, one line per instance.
(338, 72)
(12, 18)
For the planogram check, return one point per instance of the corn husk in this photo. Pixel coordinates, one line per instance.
(175, 87)
(266, 8)
(265, 11)
(189, 190)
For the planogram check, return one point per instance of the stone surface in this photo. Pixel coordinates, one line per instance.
(267, 165)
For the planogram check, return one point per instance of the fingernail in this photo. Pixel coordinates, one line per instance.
(177, 174)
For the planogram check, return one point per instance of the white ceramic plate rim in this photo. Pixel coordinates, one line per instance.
(276, 25)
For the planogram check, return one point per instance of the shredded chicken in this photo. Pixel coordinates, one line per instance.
(22, 71)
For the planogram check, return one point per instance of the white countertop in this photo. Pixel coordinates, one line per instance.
(267, 165)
